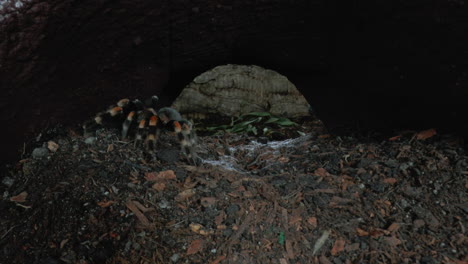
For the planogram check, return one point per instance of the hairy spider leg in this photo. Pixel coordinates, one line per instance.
(153, 133)
(140, 132)
(188, 132)
(103, 118)
(123, 102)
(191, 137)
(152, 102)
(143, 120)
(131, 112)
(183, 130)
(127, 123)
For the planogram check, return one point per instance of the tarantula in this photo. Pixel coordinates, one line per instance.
(146, 123)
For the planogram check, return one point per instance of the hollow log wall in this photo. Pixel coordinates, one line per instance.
(379, 65)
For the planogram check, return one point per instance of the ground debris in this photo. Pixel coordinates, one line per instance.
(316, 198)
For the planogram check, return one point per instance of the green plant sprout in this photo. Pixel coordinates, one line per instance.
(256, 123)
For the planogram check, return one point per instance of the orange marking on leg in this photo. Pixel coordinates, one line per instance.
(150, 109)
(98, 119)
(131, 115)
(123, 102)
(142, 124)
(153, 120)
(115, 111)
(177, 127)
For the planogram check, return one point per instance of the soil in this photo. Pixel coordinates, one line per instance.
(316, 198)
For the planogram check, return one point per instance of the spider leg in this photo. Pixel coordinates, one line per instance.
(106, 117)
(153, 133)
(123, 102)
(189, 133)
(184, 132)
(113, 116)
(127, 123)
(152, 101)
(140, 132)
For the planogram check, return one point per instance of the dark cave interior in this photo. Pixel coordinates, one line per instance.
(379, 66)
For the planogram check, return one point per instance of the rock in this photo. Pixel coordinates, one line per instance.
(136, 246)
(163, 204)
(90, 140)
(7, 181)
(404, 203)
(39, 153)
(52, 146)
(175, 258)
(233, 90)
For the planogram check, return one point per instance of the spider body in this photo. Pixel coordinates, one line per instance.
(144, 123)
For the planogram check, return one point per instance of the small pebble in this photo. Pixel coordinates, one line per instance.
(136, 246)
(115, 189)
(7, 181)
(90, 140)
(163, 204)
(128, 246)
(39, 153)
(404, 203)
(175, 257)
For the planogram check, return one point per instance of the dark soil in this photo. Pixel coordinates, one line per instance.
(312, 199)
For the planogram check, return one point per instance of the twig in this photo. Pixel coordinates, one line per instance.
(137, 165)
(4, 235)
(320, 242)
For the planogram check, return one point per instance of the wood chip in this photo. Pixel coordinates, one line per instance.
(338, 246)
(20, 198)
(143, 220)
(52, 146)
(423, 135)
(195, 247)
(184, 195)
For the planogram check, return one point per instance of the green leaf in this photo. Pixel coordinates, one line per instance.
(285, 122)
(233, 121)
(249, 122)
(281, 238)
(252, 129)
(272, 120)
(257, 114)
(238, 128)
(301, 133)
(222, 127)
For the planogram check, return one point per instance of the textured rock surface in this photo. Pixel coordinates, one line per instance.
(232, 90)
